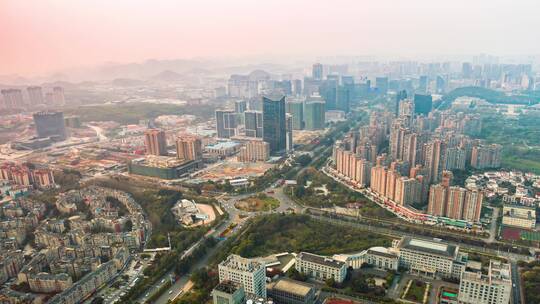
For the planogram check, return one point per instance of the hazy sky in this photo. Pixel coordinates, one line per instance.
(40, 36)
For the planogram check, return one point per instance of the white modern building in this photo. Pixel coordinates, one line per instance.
(489, 286)
(321, 267)
(251, 274)
(378, 257)
(433, 258)
(519, 216)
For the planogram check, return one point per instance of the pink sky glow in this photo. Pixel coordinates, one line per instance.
(42, 36)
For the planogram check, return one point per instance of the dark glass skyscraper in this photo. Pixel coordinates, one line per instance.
(343, 98)
(401, 95)
(381, 83)
(423, 83)
(441, 84)
(240, 106)
(314, 115)
(422, 104)
(317, 72)
(274, 131)
(50, 124)
(225, 123)
(253, 123)
(296, 109)
(328, 91)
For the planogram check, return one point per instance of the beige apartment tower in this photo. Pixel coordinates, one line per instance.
(155, 142)
(189, 147)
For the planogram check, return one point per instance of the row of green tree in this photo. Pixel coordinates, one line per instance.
(295, 233)
(530, 273)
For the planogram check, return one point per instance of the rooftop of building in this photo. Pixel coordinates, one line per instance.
(161, 161)
(496, 270)
(274, 97)
(228, 287)
(499, 270)
(223, 145)
(293, 287)
(430, 246)
(382, 251)
(45, 113)
(237, 262)
(318, 259)
(518, 206)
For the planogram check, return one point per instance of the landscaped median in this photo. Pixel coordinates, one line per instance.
(159, 292)
(417, 291)
(257, 203)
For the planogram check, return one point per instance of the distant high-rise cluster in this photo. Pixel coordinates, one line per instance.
(317, 72)
(35, 95)
(12, 98)
(424, 145)
(274, 108)
(58, 96)
(15, 99)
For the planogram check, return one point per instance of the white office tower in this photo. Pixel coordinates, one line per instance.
(491, 286)
(249, 273)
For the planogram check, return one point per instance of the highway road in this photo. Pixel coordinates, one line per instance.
(516, 284)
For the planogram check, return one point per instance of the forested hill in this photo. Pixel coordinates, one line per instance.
(489, 95)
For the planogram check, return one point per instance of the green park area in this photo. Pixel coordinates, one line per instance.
(491, 96)
(277, 233)
(520, 138)
(257, 203)
(315, 189)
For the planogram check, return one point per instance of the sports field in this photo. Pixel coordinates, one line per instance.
(511, 233)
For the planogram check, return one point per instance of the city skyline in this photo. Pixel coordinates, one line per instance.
(46, 36)
(261, 152)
